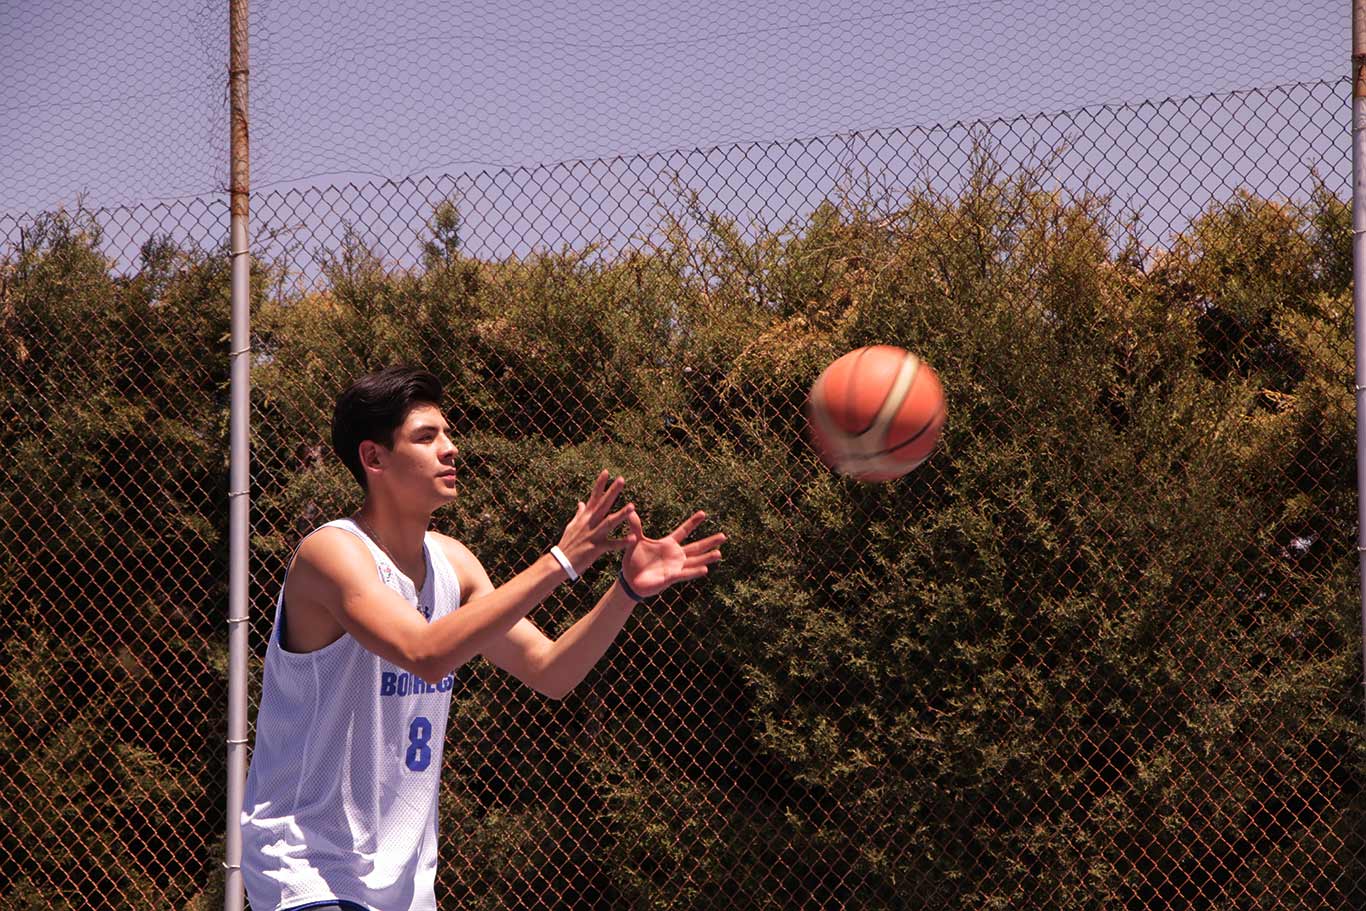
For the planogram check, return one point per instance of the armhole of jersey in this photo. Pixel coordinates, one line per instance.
(280, 619)
(439, 552)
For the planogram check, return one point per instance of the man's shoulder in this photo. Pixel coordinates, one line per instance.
(329, 547)
(330, 536)
(469, 572)
(453, 548)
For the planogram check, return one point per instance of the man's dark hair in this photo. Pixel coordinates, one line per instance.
(374, 407)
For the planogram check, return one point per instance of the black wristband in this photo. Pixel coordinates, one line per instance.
(626, 587)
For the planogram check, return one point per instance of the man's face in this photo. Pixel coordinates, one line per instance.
(421, 466)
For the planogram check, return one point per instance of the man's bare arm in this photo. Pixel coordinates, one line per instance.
(334, 570)
(552, 667)
(555, 667)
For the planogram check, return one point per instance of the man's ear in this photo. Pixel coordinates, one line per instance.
(371, 455)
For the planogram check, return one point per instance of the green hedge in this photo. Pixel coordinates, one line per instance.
(1103, 650)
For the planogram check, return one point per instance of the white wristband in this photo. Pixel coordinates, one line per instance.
(564, 562)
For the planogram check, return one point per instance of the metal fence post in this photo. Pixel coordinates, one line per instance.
(239, 476)
(1358, 269)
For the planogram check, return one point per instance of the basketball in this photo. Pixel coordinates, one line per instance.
(875, 413)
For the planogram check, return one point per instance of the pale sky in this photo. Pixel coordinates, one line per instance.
(127, 103)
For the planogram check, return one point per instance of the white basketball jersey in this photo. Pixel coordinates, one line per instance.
(341, 796)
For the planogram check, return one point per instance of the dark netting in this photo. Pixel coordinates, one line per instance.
(1101, 651)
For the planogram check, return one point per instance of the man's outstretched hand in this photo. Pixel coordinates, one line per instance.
(653, 564)
(588, 534)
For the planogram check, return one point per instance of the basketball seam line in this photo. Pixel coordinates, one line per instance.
(906, 374)
(939, 412)
(849, 392)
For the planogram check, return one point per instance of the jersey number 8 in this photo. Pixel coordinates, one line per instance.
(419, 754)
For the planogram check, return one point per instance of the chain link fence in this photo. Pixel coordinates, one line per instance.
(1102, 650)
(126, 102)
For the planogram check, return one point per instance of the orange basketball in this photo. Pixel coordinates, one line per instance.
(875, 413)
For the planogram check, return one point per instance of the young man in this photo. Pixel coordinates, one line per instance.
(375, 614)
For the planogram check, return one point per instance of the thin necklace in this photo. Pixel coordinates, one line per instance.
(365, 527)
(370, 532)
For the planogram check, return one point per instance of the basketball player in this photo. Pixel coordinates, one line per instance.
(375, 615)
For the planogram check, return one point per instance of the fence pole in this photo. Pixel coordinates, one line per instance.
(1358, 285)
(239, 515)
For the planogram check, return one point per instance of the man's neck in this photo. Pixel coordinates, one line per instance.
(398, 534)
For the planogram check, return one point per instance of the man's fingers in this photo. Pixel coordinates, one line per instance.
(596, 491)
(616, 518)
(690, 574)
(702, 559)
(599, 486)
(706, 544)
(607, 498)
(680, 534)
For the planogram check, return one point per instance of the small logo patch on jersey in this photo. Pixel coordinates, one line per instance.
(426, 610)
